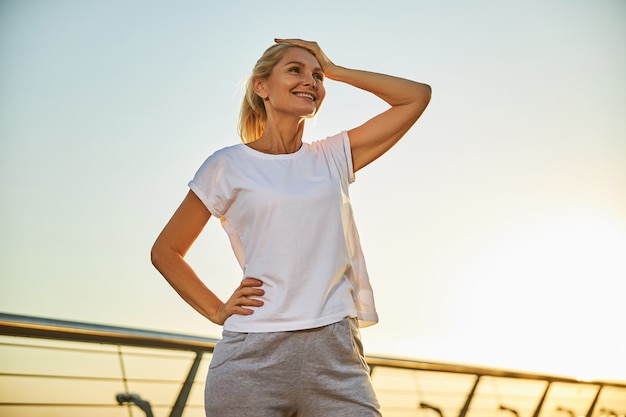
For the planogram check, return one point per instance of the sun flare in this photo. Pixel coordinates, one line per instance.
(547, 295)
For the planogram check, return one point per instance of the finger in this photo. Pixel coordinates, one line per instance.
(239, 306)
(310, 45)
(243, 311)
(236, 310)
(250, 302)
(249, 292)
(290, 40)
(247, 296)
(250, 282)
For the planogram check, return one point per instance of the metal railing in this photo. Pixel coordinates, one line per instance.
(405, 387)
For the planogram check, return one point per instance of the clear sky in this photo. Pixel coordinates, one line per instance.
(495, 232)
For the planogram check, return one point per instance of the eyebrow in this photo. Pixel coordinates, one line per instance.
(302, 65)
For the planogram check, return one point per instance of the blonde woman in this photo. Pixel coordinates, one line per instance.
(290, 344)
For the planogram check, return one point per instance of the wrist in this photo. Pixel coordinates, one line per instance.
(333, 71)
(216, 314)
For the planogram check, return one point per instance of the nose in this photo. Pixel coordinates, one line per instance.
(310, 80)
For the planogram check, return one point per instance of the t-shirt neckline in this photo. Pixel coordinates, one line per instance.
(264, 155)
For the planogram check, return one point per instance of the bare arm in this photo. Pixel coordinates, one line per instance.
(168, 253)
(408, 100)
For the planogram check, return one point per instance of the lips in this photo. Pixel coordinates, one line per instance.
(306, 95)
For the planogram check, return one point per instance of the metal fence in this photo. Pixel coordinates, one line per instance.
(60, 368)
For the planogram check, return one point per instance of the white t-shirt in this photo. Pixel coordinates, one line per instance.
(290, 224)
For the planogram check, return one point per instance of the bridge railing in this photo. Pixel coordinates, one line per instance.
(74, 369)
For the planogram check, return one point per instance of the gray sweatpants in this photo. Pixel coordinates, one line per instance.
(306, 373)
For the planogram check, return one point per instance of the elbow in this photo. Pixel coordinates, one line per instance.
(417, 96)
(420, 100)
(163, 255)
(154, 256)
(157, 254)
(425, 93)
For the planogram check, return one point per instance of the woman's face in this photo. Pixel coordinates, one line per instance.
(295, 86)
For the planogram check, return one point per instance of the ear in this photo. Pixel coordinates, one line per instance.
(259, 85)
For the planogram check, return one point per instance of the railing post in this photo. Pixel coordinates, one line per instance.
(183, 395)
(595, 401)
(542, 400)
(463, 412)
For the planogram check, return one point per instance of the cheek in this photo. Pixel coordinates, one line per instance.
(321, 95)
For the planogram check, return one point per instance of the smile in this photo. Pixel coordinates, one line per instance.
(305, 95)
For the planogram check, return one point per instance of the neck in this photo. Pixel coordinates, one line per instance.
(280, 138)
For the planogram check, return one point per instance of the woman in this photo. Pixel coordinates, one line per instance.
(291, 343)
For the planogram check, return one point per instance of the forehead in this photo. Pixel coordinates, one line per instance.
(300, 55)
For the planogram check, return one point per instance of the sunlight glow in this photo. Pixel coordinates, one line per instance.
(574, 254)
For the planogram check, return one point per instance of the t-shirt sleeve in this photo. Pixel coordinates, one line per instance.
(210, 184)
(348, 153)
(340, 152)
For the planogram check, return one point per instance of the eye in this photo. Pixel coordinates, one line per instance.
(295, 70)
(318, 76)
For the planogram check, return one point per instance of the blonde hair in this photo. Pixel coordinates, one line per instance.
(252, 116)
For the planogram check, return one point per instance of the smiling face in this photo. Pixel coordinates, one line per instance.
(295, 86)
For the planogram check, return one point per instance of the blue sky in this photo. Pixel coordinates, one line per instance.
(495, 232)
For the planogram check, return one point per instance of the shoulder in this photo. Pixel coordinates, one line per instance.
(333, 143)
(336, 150)
(219, 162)
(224, 156)
(232, 151)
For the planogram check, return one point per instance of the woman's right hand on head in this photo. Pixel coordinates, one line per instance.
(241, 299)
(312, 47)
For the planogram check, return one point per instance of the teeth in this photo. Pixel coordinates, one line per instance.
(309, 96)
